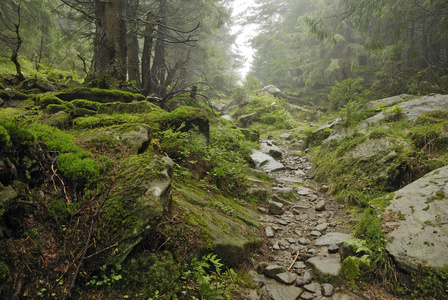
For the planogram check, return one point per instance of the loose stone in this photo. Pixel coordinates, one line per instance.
(276, 208)
(306, 296)
(315, 233)
(312, 287)
(322, 227)
(304, 241)
(327, 290)
(320, 206)
(286, 278)
(333, 248)
(269, 232)
(273, 270)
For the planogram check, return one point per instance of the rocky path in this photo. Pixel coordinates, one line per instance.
(304, 231)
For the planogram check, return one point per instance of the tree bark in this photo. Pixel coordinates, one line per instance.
(133, 47)
(158, 69)
(110, 45)
(146, 55)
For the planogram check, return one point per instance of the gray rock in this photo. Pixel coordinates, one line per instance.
(315, 233)
(284, 191)
(325, 266)
(322, 227)
(299, 265)
(313, 287)
(304, 241)
(272, 270)
(306, 296)
(276, 198)
(304, 191)
(333, 248)
(266, 162)
(320, 206)
(336, 238)
(421, 239)
(281, 292)
(136, 137)
(290, 180)
(269, 232)
(275, 208)
(327, 289)
(286, 278)
(263, 210)
(275, 154)
(306, 279)
(389, 100)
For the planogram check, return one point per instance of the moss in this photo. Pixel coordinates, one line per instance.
(82, 103)
(44, 100)
(129, 108)
(54, 108)
(5, 139)
(99, 95)
(57, 140)
(382, 202)
(18, 136)
(440, 195)
(432, 117)
(78, 168)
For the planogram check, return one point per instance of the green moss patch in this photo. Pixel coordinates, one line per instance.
(100, 95)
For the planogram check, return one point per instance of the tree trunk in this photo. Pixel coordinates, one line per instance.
(109, 56)
(133, 48)
(158, 65)
(146, 55)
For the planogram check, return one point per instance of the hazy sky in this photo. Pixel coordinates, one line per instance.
(247, 32)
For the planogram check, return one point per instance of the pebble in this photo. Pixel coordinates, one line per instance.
(269, 232)
(333, 248)
(320, 206)
(327, 290)
(315, 233)
(304, 241)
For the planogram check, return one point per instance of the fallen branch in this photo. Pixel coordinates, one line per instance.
(294, 261)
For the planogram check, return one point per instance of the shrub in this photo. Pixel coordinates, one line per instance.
(346, 91)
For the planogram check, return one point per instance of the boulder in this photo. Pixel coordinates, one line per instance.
(266, 162)
(336, 238)
(137, 200)
(421, 237)
(60, 120)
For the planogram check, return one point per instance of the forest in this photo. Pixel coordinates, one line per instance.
(130, 145)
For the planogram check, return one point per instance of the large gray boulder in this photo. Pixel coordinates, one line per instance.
(421, 235)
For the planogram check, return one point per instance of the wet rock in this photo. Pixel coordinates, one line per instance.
(286, 278)
(272, 270)
(275, 208)
(327, 290)
(281, 292)
(320, 206)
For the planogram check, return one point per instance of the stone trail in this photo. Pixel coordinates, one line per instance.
(303, 229)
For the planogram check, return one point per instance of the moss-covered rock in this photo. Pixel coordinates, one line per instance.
(100, 95)
(60, 120)
(44, 100)
(137, 200)
(82, 103)
(119, 107)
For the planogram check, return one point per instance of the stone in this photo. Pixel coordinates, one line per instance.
(322, 227)
(336, 238)
(275, 208)
(333, 248)
(290, 180)
(320, 206)
(304, 191)
(306, 296)
(315, 233)
(282, 292)
(275, 153)
(276, 198)
(326, 266)
(276, 246)
(263, 210)
(421, 239)
(284, 191)
(306, 279)
(286, 278)
(266, 162)
(60, 120)
(269, 232)
(299, 265)
(327, 290)
(136, 137)
(304, 241)
(312, 287)
(272, 270)
(282, 222)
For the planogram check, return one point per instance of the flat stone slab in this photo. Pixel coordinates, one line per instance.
(283, 292)
(336, 238)
(266, 162)
(421, 238)
(324, 266)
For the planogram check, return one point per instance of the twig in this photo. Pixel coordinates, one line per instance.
(294, 261)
